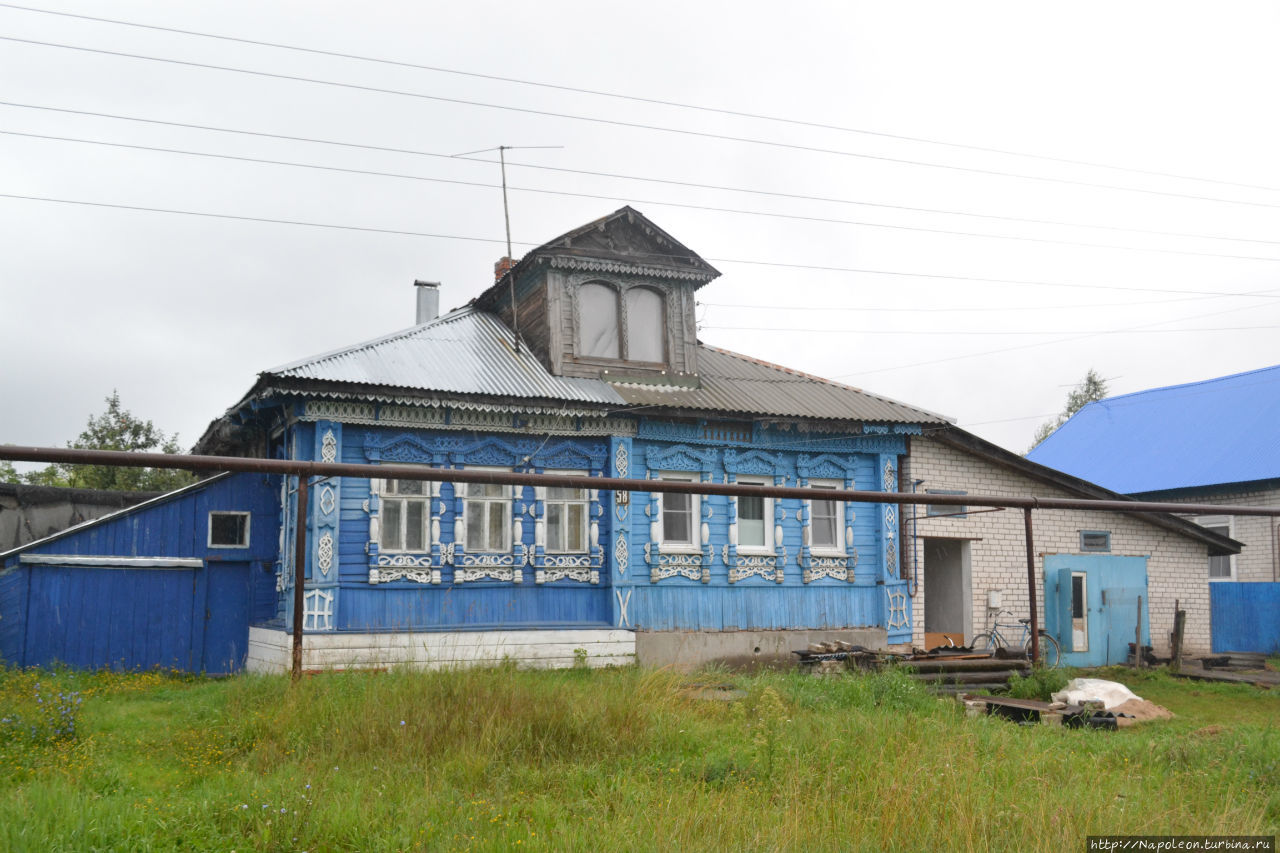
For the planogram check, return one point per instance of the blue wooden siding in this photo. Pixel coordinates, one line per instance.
(672, 603)
(131, 617)
(1244, 617)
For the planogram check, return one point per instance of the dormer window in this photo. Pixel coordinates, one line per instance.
(626, 325)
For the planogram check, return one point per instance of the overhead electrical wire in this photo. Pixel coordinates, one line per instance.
(985, 332)
(408, 233)
(1034, 344)
(638, 98)
(812, 149)
(632, 200)
(952, 309)
(638, 178)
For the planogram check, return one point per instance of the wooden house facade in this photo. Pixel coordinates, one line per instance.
(582, 359)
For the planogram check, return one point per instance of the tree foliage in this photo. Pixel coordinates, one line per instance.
(1092, 388)
(115, 429)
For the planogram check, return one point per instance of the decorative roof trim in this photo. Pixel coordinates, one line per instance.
(592, 265)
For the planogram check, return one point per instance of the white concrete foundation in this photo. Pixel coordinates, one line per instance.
(270, 651)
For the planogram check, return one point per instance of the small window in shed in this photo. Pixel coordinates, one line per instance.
(228, 530)
(950, 510)
(1095, 540)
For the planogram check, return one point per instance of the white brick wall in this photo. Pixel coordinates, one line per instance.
(1177, 567)
(1257, 563)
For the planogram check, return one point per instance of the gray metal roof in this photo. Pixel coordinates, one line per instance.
(470, 351)
(464, 352)
(737, 383)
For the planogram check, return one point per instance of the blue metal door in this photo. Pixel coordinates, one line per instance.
(226, 617)
(1099, 595)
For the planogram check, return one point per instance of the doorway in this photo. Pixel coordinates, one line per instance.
(948, 598)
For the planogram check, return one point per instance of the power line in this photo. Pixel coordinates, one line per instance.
(985, 332)
(967, 356)
(635, 125)
(407, 233)
(664, 181)
(862, 309)
(627, 199)
(639, 99)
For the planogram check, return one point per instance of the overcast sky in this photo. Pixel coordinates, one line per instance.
(181, 312)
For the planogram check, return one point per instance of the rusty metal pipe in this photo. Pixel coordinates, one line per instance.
(299, 574)
(451, 475)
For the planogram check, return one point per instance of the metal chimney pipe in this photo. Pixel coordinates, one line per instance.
(428, 301)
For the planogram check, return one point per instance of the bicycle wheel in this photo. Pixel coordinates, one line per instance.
(984, 644)
(1050, 653)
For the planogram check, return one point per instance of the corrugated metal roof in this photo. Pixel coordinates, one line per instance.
(464, 352)
(736, 383)
(470, 351)
(1220, 430)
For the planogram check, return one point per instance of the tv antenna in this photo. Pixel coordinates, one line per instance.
(506, 218)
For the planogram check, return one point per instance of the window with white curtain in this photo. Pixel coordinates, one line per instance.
(628, 324)
(644, 326)
(486, 511)
(598, 321)
(405, 514)
(566, 517)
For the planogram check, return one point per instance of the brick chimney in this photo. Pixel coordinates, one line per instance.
(502, 267)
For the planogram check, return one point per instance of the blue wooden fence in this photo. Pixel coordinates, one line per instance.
(1245, 617)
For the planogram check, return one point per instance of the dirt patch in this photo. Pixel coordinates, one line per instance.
(1142, 710)
(1207, 731)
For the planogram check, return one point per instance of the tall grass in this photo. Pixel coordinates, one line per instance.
(612, 759)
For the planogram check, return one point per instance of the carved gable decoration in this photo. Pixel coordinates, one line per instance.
(491, 451)
(679, 457)
(565, 455)
(826, 466)
(627, 235)
(406, 448)
(753, 462)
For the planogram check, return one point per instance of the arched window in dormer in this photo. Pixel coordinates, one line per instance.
(598, 321)
(645, 329)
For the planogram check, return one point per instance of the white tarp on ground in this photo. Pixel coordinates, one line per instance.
(1110, 693)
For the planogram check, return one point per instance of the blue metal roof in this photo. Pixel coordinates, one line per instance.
(1224, 430)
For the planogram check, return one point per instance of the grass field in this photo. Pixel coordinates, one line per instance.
(623, 759)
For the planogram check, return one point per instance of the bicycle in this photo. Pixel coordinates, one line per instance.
(992, 641)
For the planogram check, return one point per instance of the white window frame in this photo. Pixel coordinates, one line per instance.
(767, 548)
(837, 550)
(586, 514)
(506, 501)
(247, 521)
(694, 545)
(1228, 522)
(382, 488)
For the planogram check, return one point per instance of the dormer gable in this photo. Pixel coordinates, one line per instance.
(612, 299)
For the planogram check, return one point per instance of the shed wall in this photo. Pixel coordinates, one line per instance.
(1177, 567)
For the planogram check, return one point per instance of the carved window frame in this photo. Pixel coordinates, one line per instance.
(388, 494)
(767, 518)
(587, 509)
(694, 544)
(506, 502)
(839, 549)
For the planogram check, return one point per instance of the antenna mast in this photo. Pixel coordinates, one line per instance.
(511, 272)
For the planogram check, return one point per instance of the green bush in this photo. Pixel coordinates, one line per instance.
(1041, 683)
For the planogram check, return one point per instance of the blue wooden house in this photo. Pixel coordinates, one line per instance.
(582, 358)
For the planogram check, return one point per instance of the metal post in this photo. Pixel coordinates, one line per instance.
(299, 574)
(1031, 589)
